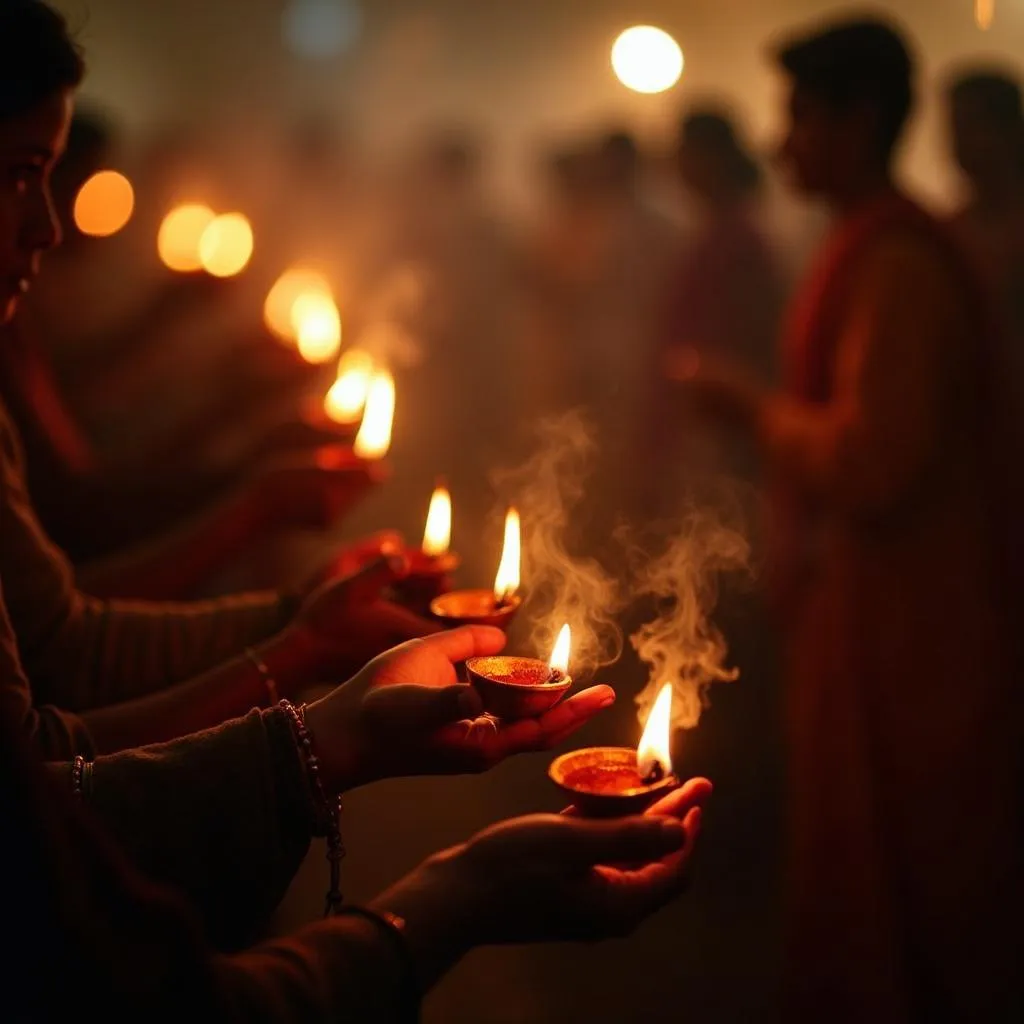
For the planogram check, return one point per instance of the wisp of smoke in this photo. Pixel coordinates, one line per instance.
(682, 645)
(558, 585)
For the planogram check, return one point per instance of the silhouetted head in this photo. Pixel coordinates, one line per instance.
(851, 92)
(713, 162)
(39, 69)
(986, 120)
(617, 162)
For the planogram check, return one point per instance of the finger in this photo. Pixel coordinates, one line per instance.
(384, 542)
(565, 718)
(467, 642)
(583, 842)
(401, 624)
(418, 709)
(692, 793)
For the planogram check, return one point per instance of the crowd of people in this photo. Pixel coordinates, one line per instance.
(162, 779)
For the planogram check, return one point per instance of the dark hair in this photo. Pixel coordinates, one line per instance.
(997, 93)
(714, 131)
(37, 55)
(863, 62)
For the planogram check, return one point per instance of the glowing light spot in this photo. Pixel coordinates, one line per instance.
(178, 239)
(317, 325)
(347, 396)
(226, 245)
(319, 29)
(279, 306)
(647, 59)
(984, 12)
(104, 204)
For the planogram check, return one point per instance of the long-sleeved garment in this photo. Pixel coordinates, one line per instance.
(82, 653)
(91, 939)
(904, 706)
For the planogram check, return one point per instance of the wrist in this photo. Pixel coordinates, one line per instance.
(442, 914)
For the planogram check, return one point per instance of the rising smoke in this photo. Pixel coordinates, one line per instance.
(681, 644)
(560, 586)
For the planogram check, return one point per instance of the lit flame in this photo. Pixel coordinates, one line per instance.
(374, 437)
(225, 247)
(104, 204)
(506, 583)
(437, 536)
(177, 241)
(317, 326)
(345, 400)
(563, 647)
(647, 59)
(655, 744)
(285, 292)
(984, 12)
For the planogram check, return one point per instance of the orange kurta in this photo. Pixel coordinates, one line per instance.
(904, 717)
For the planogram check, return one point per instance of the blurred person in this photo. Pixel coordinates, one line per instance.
(986, 116)
(728, 295)
(898, 570)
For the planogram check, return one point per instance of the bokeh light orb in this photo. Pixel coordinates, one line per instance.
(178, 239)
(317, 326)
(226, 245)
(104, 204)
(320, 29)
(647, 59)
(285, 292)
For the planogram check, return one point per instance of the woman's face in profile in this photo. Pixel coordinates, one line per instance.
(30, 144)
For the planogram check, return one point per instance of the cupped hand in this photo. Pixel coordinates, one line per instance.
(312, 490)
(406, 713)
(345, 622)
(715, 389)
(550, 877)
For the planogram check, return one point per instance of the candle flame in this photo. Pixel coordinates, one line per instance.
(177, 241)
(984, 12)
(279, 306)
(347, 396)
(317, 326)
(225, 247)
(506, 583)
(374, 437)
(655, 743)
(563, 647)
(437, 536)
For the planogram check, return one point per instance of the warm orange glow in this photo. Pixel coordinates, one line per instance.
(104, 204)
(344, 402)
(281, 299)
(226, 245)
(655, 746)
(984, 12)
(437, 537)
(506, 583)
(178, 239)
(647, 59)
(563, 648)
(317, 326)
(374, 437)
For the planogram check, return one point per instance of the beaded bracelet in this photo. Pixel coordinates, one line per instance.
(77, 775)
(330, 818)
(265, 674)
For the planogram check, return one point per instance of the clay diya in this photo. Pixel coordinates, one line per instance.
(495, 607)
(431, 565)
(604, 782)
(512, 687)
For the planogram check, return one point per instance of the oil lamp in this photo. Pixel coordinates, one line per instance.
(432, 563)
(494, 607)
(513, 687)
(612, 781)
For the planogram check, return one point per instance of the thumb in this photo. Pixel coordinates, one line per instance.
(587, 842)
(419, 709)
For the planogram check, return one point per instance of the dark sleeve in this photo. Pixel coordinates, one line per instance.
(223, 816)
(94, 934)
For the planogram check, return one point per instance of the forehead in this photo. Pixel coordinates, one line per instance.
(41, 129)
